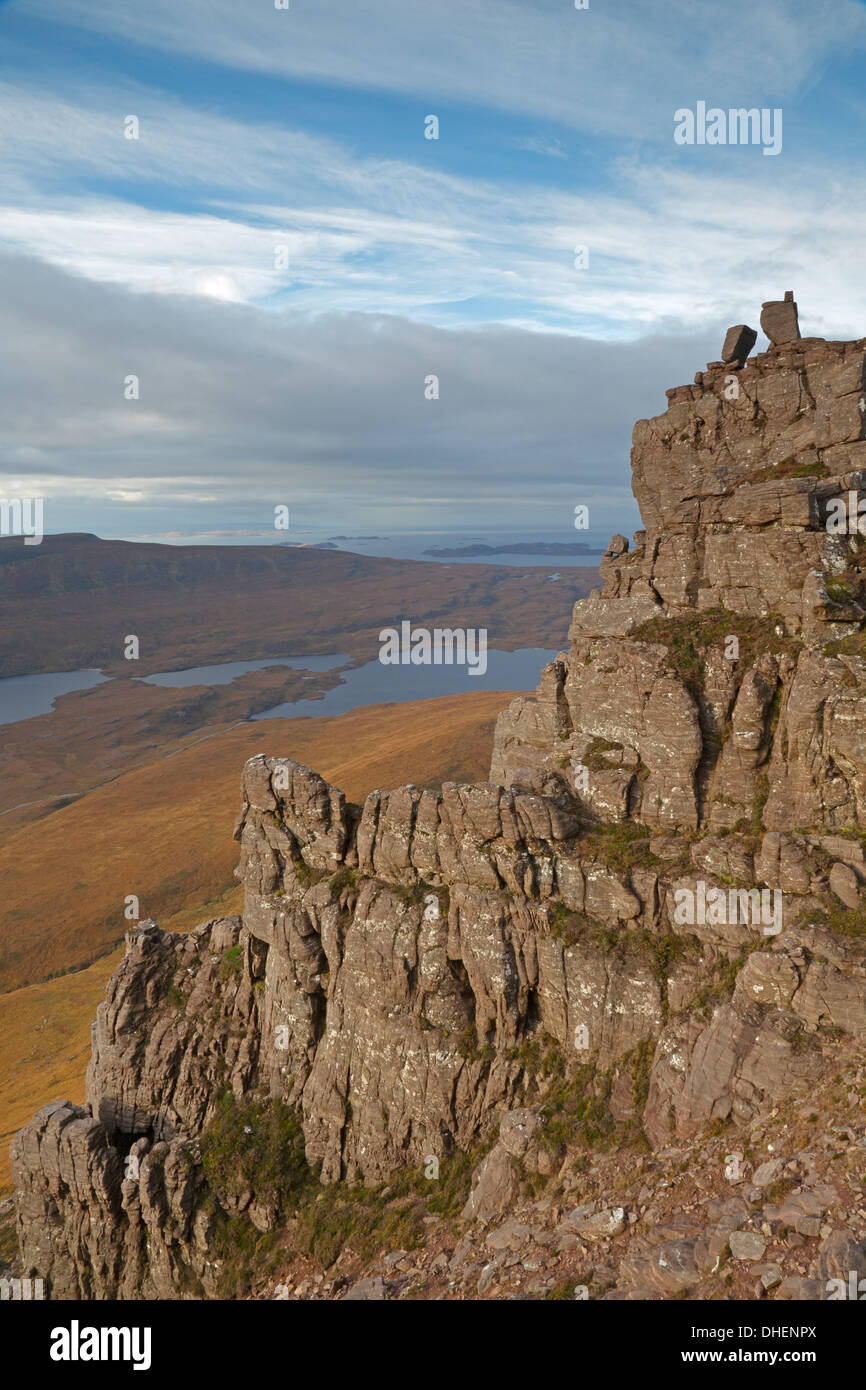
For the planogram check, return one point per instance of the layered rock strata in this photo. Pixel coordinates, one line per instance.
(663, 878)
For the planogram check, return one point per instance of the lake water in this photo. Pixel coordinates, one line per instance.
(375, 684)
(23, 697)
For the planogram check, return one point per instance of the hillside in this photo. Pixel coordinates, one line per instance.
(592, 1024)
(163, 831)
(68, 603)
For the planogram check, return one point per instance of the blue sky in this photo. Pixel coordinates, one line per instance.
(304, 129)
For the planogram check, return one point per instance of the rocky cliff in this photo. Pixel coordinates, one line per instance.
(646, 935)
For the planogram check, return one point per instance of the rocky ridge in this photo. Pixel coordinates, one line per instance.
(553, 979)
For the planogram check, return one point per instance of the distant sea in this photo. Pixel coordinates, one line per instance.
(411, 545)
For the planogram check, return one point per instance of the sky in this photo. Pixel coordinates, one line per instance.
(283, 259)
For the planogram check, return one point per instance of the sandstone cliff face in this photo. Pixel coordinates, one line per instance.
(395, 960)
(735, 482)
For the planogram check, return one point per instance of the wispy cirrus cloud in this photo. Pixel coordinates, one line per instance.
(608, 69)
(671, 248)
(539, 144)
(207, 203)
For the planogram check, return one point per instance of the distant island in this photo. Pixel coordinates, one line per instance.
(357, 538)
(310, 545)
(518, 548)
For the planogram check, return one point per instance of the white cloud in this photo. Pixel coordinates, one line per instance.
(610, 69)
(673, 247)
(539, 144)
(304, 385)
(690, 236)
(247, 409)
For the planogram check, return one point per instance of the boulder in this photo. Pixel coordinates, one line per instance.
(739, 342)
(747, 1245)
(779, 320)
(845, 884)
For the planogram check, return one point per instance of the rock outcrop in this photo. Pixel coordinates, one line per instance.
(779, 319)
(655, 903)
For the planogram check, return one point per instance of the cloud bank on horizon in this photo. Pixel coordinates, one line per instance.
(282, 255)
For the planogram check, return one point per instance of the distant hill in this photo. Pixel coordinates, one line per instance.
(518, 548)
(69, 602)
